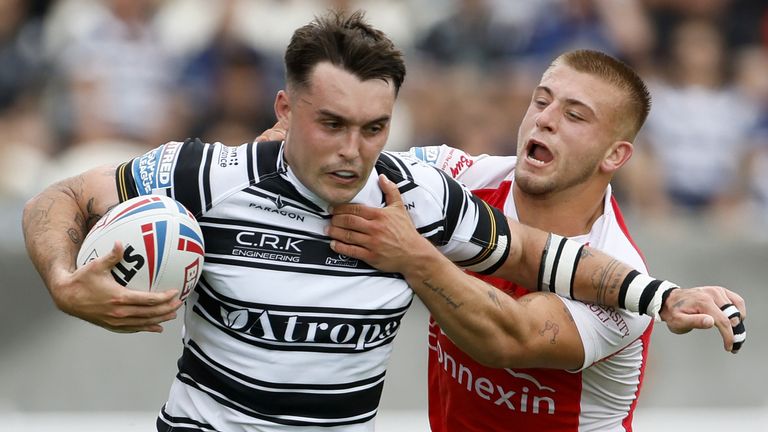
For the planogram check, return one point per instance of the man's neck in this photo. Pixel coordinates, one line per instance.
(568, 213)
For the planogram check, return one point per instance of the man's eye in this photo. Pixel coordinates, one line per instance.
(574, 115)
(373, 130)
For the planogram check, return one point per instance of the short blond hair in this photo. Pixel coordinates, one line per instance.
(617, 73)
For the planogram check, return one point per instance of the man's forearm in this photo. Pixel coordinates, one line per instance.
(470, 311)
(579, 272)
(54, 228)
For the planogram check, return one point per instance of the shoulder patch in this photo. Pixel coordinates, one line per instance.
(153, 169)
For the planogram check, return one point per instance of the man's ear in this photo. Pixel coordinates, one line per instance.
(616, 156)
(283, 109)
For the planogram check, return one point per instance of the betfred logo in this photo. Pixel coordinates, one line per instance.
(462, 164)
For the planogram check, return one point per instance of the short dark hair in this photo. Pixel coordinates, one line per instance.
(347, 42)
(615, 72)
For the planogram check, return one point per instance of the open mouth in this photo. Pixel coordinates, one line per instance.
(538, 153)
(344, 175)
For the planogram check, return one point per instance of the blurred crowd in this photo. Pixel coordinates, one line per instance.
(84, 82)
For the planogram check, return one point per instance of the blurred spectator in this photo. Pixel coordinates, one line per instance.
(693, 149)
(112, 95)
(752, 80)
(230, 86)
(22, 70)
(117, 76)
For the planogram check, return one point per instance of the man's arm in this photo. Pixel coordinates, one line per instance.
(386, 239)
(54, 224)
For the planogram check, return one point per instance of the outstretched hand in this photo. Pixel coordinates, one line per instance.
(705, 307)
(384, 237)
(91, 293)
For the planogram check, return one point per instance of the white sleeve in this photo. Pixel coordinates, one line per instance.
(476, 172)
(604, 331)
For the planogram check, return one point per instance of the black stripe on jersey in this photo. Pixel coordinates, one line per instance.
(299, 330)
(281, 266)
(306, 405)
(279, 188)
(282, 200)
(168, 423)
(249, 161)
(185, 176)
(267, 154)
(271, 173)
(207, 290)
(455, 199)
(206, 180)
(126, 187)
(491, 225)
(396, 171)
(240, 224)
(259, 246)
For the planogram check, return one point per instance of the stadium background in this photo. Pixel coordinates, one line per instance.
(468, 81)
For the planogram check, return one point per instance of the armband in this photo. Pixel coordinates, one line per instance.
(559, 260)
(643, 294)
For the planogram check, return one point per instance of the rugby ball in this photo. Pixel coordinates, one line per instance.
(162, 241)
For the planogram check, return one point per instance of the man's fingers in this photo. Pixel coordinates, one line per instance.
(108, 261)
(348, 235)
(144, 299)
(350, 250)
(391, 193)
(737, 301)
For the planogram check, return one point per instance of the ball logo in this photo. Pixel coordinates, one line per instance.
(126, 269)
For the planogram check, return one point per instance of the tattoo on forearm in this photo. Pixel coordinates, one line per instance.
(91, 216)
(441, 292)
(550, 326)
(606, 281)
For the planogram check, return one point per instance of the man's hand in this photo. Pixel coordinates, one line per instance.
(383, 237)
(275, 133)
(91, 293)
(704, 307)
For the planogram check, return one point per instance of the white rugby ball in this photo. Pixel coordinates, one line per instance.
(162, 241)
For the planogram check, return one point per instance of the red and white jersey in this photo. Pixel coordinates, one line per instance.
(601, 396)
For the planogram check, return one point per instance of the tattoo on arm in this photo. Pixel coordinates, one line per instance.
(553, 327)
(441, 292)
(606, 280)
(493, 295)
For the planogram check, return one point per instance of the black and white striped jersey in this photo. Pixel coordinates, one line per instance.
(281, 331)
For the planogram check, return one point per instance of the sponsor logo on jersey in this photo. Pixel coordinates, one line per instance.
(610, 316)
(153, 169)
(523, 393)
(342, 261)
(426, 154)
(305, 329)
(272, 247)
(461, 165)
(228, 157)
(279, 203)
